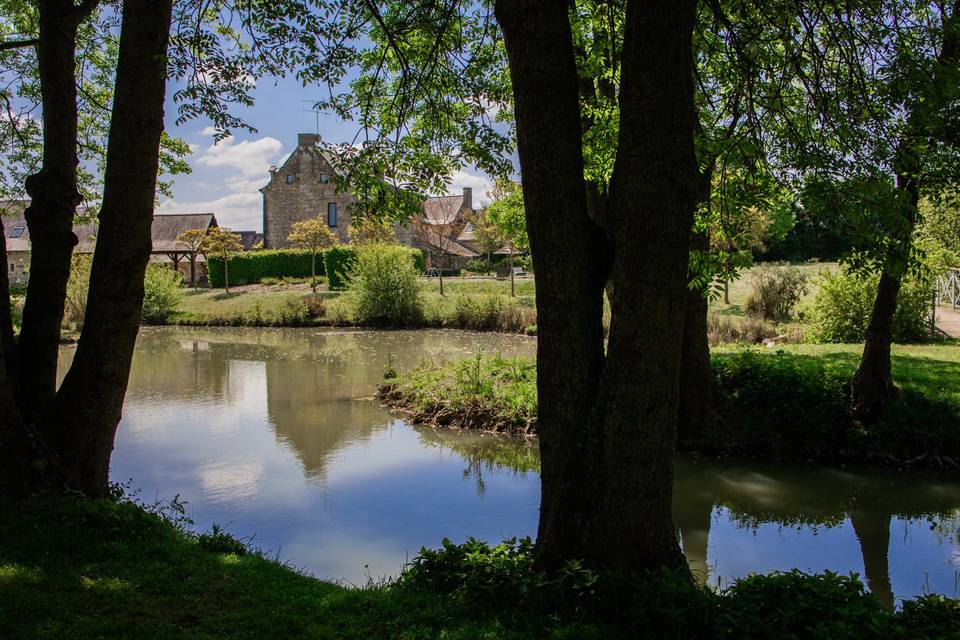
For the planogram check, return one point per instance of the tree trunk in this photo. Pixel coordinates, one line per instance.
(54, 198)
(193, 270)
(313, 272)
(872, 385)
(696, 376)
(872, 528)
(607, 429)
(88, 406)
(513, 291)
(226, 273)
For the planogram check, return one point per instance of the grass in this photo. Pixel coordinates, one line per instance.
(77, 569)
(789, 403)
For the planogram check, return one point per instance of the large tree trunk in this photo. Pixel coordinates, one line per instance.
(90, 400)
(696, 376)
(54, 198)
(872, 385)
(608, 425)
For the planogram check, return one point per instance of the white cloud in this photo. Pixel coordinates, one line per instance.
(250, 157)
(238, 211)
(479, 183)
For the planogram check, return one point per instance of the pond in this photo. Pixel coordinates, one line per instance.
(272, 434)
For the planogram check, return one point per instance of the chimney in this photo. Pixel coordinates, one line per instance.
(307, 140)
(468, 197)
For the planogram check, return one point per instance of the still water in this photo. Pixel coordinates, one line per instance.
(273, 434)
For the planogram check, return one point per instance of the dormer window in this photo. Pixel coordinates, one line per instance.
(290, 178)
(324, 178)
(16, 232)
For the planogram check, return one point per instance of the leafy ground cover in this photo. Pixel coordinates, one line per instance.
(789, 402)
(72, 569)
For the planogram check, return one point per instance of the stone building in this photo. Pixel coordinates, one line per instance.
(300, 189)
(303, 188)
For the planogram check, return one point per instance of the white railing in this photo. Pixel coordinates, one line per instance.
(948, 288)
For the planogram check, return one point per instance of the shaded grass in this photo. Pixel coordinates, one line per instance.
(790, 403)
(72, 569)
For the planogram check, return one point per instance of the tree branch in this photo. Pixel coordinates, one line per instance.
(19, 44)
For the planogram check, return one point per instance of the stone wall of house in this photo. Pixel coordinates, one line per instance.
(18, 267)
(299, 190)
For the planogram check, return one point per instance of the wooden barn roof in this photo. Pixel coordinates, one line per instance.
(167, 227)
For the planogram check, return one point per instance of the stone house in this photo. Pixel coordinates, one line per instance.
(17, 240)
(303, 187)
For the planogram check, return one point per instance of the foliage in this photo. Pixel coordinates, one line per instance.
(222, 243)
(161, 293)
(938, 235)
(506, 215)
(842, 307)
(219, 541)
(478, 266)
(367, 230)
(75, 309)
(338, 261)
(775, 291)
(385, 286)
(256, 266)
(312, 235)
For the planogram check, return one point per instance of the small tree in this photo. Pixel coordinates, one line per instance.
(313, 235)
(222, 243)
(366, 230)
(193, 240)
(435, 233)
(508, 217)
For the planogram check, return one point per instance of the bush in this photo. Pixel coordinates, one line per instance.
(841, 310)
(254, 266)
(161, 292)
(337, 261)
(385, 286)
(75, 309)
(775, 292)
(315, 305)
(478, 265)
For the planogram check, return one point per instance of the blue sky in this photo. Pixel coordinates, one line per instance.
(226, 176)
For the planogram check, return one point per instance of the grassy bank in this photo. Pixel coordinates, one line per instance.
(76, 569)
(785, 404)
(478, 303)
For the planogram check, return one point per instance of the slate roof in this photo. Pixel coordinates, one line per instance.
(442, 209)
(166, 228)
(451, 247)
(17, 236)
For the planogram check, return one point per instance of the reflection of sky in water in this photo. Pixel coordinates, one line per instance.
(272, 434)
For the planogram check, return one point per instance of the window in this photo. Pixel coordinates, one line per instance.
(16, 232)
(332, 214)
(324, 178)
(12, 267)
(290, 178)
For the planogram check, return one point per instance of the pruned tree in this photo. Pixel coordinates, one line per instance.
(364, 230)
(435, 232)
(193, 240)
(313, 235)
(222, 243)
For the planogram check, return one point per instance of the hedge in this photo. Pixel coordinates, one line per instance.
(338, 261)
(250, 267)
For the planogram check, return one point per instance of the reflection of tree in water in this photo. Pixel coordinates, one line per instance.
(484, 452)
(803, 496)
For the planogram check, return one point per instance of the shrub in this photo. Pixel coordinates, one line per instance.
(722, 329)
(841, 310)
(338, 261)
(478, 265)
(75, 309)
(254, 266)
(315, 305)
(385, 286)
(161, 292)
(775, 292)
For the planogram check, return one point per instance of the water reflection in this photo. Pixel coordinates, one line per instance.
(273, 433)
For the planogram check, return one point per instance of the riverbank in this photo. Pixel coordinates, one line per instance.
(788, 404)
(72, 568)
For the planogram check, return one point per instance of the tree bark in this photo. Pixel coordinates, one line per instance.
(607, 424)
(54, 197)
(88, 405)
(696, 376)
